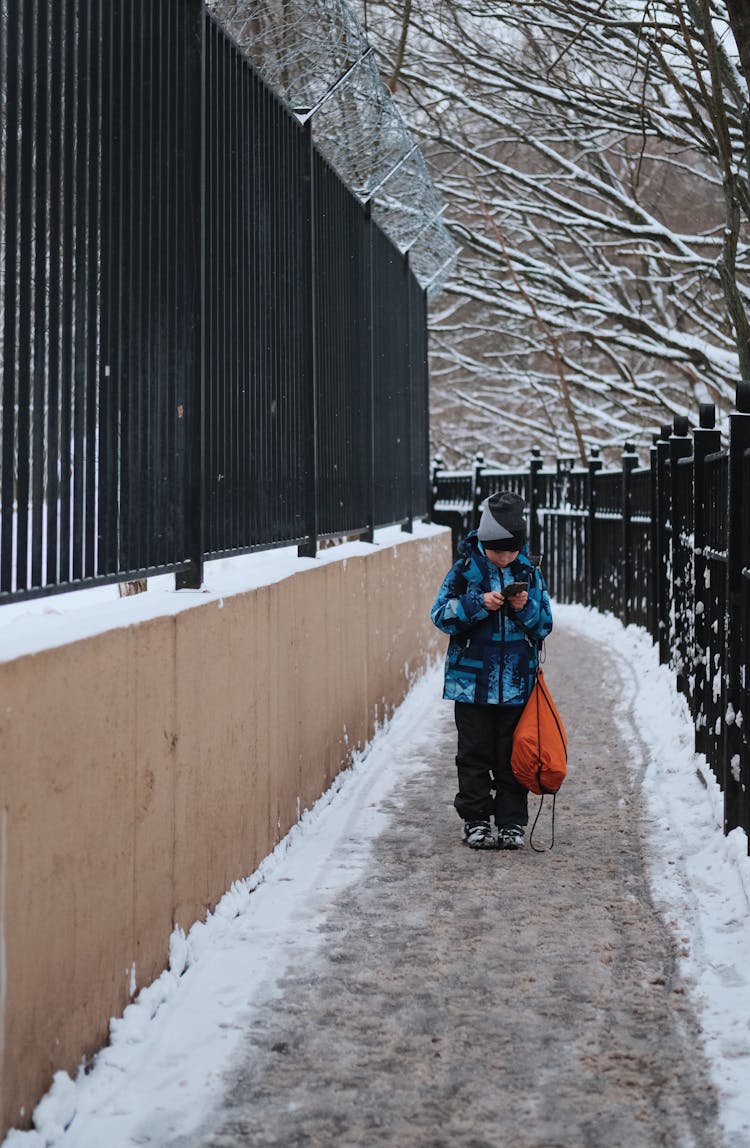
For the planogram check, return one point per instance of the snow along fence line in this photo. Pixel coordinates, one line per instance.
(160, 752)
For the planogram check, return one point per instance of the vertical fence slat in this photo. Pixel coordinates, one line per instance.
(67, 321)
(79, 281)
(25, 295)
(39, 320)
(92, 286)
(52, 436)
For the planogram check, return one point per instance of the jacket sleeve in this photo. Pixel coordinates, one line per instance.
(457, 607)
(536, 616)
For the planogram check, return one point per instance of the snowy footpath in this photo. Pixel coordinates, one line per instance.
(377, 983)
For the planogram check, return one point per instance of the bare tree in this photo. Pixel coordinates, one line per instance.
(594, 156)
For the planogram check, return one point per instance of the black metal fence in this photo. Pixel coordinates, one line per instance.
(208, 347)
(665, 546)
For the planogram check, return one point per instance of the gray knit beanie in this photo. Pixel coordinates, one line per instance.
(503, 522)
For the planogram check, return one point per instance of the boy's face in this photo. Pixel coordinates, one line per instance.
(501, 558)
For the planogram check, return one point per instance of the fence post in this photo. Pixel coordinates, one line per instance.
(369, 534)
(680, 446)
(595, 464)
(309, 548)
(535, 533)
(475, 499)
(408, 526)
(735, 765)
(438, 464)
(706, 440)
(653, 614)
(425, 368)
(195, 501)
(560, 577)
(660, 537)
(629, 463)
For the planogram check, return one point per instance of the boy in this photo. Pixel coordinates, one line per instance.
(491, 665)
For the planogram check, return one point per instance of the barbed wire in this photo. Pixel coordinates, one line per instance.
(315, 56)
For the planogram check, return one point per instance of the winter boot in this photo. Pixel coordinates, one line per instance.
(478, 835)
(510, 837)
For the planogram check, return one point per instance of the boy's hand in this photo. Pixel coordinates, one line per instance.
(493, 600)
(518, 601)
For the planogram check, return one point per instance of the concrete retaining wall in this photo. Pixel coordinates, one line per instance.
(144, 769)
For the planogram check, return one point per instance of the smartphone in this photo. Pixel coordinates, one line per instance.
(514, 588)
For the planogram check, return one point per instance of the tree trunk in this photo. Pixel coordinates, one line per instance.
(393, 82)
(739, 18)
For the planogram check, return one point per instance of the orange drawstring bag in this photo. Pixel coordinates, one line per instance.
(539, 758)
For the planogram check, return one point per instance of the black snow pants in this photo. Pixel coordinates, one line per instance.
(486, 784)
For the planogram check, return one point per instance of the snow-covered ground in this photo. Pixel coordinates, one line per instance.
(163, 1067)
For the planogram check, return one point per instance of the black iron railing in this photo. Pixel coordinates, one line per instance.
(665, 546)
(208, 347)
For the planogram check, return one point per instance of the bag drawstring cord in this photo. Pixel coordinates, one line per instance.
(533, 827)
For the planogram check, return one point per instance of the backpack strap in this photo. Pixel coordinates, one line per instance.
(536, 565)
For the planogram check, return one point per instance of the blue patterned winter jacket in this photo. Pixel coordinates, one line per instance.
(492, 655)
